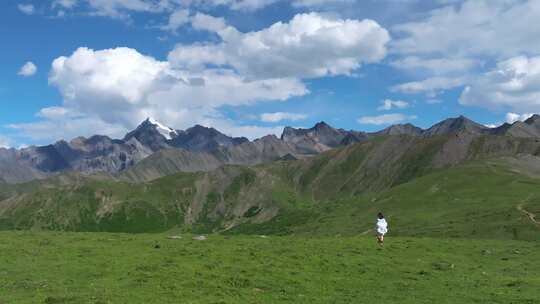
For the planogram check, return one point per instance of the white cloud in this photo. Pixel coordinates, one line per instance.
(114, 76)
(208, 23)
(513, 83)
(311, 3)
(53, 112)
(452, 43)
(193, 57)
(67, 128)
(310, 45)
(513, 117)
(28, 69)
(66, 4)
(5, 142)
(385, 119)
(231, 128)
(431, 86)
(216, 88)
(177, 19)
(475, 27)
(244, 5)
(389, 104)
(27, 9)
(121, 8)
(250, 5)
(280, 116)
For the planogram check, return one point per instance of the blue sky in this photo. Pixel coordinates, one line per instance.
(250, 67)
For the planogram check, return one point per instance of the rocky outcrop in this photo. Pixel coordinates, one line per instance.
(203, 139)
(320, 138)
(401, 129)
(528, 128)
(456, 125)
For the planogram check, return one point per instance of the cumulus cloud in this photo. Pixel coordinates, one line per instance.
(27, 9)
(385, 119)
(177, 19)
(115, 78)
(28, 69)
(513, 117)
(513, 83)
(310, 45)
(127, 77)
(280, 116)
(389, 104)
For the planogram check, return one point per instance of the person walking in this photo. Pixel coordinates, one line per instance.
(381, 228)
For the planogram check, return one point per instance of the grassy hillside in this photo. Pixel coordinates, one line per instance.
(439, 186)
(482, 199)
(197, 201)
(120, 268)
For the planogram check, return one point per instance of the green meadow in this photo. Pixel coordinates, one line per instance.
(59, 267)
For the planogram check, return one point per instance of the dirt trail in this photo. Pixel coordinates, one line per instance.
(531, 216)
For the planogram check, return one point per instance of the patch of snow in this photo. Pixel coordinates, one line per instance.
(162, 129)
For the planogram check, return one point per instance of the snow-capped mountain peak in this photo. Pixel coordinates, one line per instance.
(162, 129)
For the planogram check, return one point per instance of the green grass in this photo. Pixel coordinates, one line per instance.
(475, 200)
(121, 268)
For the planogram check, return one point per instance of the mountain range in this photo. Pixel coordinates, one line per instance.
(202, 148)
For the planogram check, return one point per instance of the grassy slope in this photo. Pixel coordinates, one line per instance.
(476, 200)
(151, 207)
(119, 268)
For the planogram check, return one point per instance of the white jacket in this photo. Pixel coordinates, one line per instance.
(382, 226)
